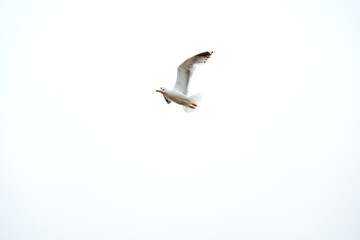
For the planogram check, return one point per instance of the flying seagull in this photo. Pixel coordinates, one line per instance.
(184, 72)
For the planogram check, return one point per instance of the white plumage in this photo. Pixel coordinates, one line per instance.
(184, 72)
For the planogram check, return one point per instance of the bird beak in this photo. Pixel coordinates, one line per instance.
(158, 90)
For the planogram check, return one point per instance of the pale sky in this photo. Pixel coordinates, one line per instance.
(89, 150)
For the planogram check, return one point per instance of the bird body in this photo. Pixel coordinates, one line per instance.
(176, 96)
(181, 99)
(179, 93)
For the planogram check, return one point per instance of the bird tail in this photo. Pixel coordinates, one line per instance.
(195, 101)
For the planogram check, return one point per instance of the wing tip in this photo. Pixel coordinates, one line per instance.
(206, 54)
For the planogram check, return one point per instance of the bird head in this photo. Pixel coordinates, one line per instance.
(162, 90)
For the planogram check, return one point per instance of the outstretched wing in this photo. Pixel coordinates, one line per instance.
(186, 69)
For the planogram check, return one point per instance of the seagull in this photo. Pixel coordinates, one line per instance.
(184, 72)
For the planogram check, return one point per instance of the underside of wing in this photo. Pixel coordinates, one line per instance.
(186, 69)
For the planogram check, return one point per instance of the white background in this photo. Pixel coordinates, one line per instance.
(89, 150)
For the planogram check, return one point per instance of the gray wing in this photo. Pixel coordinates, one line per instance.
(186, 69)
